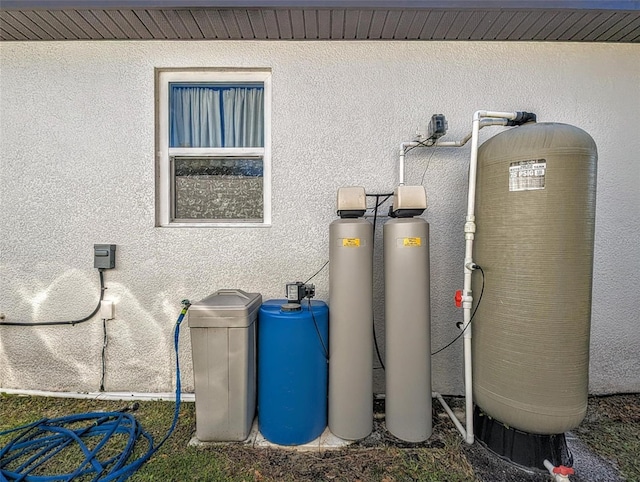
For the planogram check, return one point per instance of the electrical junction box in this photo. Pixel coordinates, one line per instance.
(437, 126)
(107, 311)
(104, 256)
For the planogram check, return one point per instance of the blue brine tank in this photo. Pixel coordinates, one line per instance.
(292, 371)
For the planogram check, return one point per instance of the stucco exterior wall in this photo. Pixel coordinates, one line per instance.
(77, 137)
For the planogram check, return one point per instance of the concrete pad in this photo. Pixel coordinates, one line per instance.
(250, 440)
(196, 442)
(326, 441)
(329, 441)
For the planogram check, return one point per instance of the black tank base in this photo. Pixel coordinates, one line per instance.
(523, 449)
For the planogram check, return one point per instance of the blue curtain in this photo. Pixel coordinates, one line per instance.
(211, 116)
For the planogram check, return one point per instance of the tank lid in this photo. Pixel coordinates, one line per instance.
(227, 308)
(291, 307)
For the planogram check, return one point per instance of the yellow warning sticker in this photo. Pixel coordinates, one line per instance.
(412, 242)
(351, 243)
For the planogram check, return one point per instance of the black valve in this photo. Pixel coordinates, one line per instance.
(522, 118)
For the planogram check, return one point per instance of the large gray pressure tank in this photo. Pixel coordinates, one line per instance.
(351, 328)
(535, 213)
(407, 329)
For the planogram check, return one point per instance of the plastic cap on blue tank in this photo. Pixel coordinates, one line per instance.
(291, 307)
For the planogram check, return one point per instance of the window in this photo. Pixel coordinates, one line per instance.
(214, 143)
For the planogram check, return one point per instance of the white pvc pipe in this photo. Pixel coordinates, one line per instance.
(403, 148)
(467, 297)
(495, 114)
(452, 416)
(468, 386)
(479, 121)
(163, 396)
(401, 165)
(460, 143)
(549, 467)
(556, 477)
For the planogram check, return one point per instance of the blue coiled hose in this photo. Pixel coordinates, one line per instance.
(38, 442)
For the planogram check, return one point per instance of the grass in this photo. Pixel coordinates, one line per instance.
(612, 429)
(174, 461)
(434, 466)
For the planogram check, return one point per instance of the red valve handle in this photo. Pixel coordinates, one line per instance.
(458, 298)
(562, 470)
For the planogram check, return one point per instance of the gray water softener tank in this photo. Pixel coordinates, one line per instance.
(407, 318)
(351, 320)
(223, 340)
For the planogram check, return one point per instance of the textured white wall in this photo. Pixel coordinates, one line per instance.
(77, 168)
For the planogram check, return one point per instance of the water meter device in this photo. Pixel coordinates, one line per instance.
(297, 291)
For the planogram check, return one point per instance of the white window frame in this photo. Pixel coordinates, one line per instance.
(164, 188)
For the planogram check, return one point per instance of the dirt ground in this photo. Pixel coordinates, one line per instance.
(379, 457)
(382, 457)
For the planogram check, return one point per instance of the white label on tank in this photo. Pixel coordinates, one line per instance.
(527, 175)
